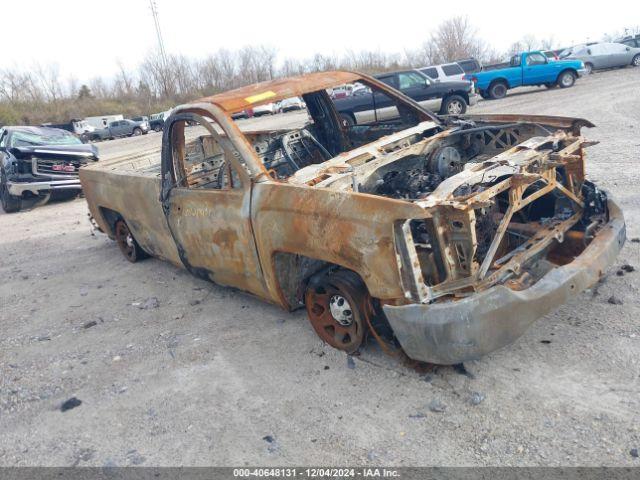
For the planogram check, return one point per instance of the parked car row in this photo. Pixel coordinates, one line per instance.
(546, 67)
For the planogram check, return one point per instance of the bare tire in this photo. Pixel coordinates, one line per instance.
(127, 244)
(137, 132)
(566, 79)
(636, 61)
(339, 308)
(453, 105)
(10, 203)
(588, 67)
(498, 90)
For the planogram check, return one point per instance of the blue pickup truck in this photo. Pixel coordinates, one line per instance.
(526, 69)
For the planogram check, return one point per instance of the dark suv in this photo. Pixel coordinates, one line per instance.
(37, 162)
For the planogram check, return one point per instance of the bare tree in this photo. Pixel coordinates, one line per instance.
(455, 39)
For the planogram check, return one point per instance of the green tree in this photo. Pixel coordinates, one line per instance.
(84, 92)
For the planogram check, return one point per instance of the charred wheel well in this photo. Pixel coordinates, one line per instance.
(293, 272)
(110, 217)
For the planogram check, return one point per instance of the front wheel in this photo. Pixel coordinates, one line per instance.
(339, 309)
(566, 79)
(10, 203)
(128, 245)
(157, 128)
(453, 105)
(137, 132)
(588, 68)
(636, 61)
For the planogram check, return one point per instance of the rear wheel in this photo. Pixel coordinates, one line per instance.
(498, 90)
(453, 105)
(566, 79)
(347, 120)
(10, 203)
(127, 244)
(636, 61)
(339, 309)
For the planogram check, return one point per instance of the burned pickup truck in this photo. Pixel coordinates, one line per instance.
(448, 235)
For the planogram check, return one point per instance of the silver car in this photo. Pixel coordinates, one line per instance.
(603, 55)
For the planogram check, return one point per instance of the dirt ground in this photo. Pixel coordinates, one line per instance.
(205, 375)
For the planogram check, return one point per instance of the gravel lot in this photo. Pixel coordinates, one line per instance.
(210, 376)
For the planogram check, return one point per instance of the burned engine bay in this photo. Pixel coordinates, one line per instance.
(502, 202)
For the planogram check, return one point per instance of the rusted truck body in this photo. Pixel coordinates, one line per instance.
(446, 236)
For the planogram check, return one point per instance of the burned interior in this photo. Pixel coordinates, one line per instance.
(504, 200)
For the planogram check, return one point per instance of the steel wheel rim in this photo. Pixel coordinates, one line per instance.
(125, 241)
(343, 337)
(566, 79)
(455, 107)
(636, 61)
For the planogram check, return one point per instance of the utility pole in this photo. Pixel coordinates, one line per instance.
(163, 54)
(154, 11)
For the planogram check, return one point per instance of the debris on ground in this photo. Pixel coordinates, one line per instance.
(634, 452)
(625, 268)
(476, 398)
(134, 458)
(273, 445)
(417, 415)
(149, 303)
(350, 362)
(90, 324)
(73, 402)
(635, 240)
(437, 406)
(613, 300)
